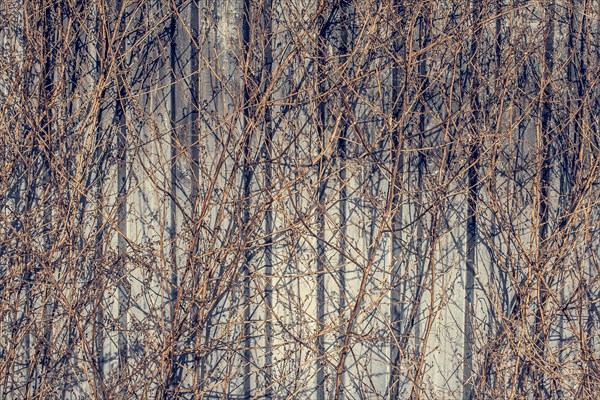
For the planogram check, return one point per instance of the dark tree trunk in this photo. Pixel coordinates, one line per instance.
(398, 98)
(472, 193)
(545, 149)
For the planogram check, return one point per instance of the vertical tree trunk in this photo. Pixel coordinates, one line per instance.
(174, 144)
(422, 90)
(497, 275)
(396, 295)
(345, 108)
(100, 152)
(247, 172)
(472, 176)
(472, 193)
(27, 197)
(590, 384)
(544, 148)
(196, 44)
(173, 370)
(195, 108)
(98, 329)
(267, 22)
(123, 286)
(320, 262)
(321, 199)
(50, 22)
(520, 303)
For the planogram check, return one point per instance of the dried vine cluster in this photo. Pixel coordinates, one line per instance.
(299, 199)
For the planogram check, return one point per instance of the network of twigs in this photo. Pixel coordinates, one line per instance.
(296, 199)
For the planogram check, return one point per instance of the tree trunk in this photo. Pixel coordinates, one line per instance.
(397, 289)
(545, 149)
(123, 286)
(248, 107)
(472, 193)
(267, 22)
(321, 195)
